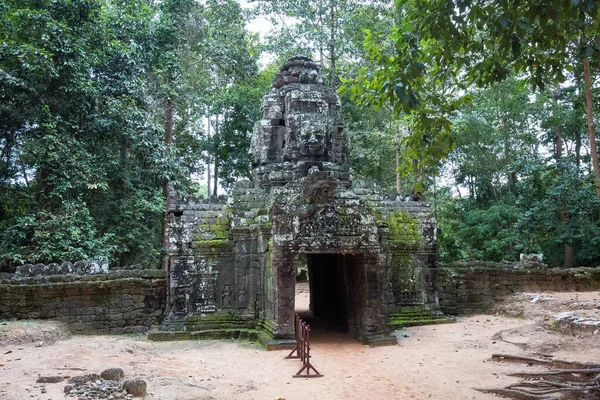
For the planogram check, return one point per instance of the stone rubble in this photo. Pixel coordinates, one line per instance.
(107, 385)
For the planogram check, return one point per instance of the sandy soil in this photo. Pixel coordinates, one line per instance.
(431, 362)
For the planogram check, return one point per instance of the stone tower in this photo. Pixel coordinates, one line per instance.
(234, 265)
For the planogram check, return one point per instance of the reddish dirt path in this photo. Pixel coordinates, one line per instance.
(432, 362)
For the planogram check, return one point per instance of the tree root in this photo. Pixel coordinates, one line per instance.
(554, 364)
(514, 394)
(520, 359)
(575, 381)
(556, 372)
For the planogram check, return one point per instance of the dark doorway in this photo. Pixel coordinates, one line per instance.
(335, 290)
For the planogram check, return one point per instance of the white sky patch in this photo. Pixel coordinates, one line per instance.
(262, 25)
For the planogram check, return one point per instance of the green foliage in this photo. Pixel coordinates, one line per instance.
(519, 197)
(373, 144)
(86, 88)
(69, 234)
(438, 48)
(239, 106)
(541, 222)
(491, 234)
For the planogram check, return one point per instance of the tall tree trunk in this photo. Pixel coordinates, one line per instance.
(564, 217)
(321, 41)
(379, 158)
(398, 175)
(577, 131)
(590, 123)
(168, 142)
(24, 171)
(564, 211)
(208, 191)
(321, 61)
(215, 170)
(511, 176)
(215, 176)
(332, 45)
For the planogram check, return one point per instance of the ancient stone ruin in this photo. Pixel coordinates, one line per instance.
(234, 265)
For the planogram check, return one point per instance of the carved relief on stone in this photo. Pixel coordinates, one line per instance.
(226, 297)
(242, 299)
(180, 302)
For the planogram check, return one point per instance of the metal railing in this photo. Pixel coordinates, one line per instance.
(302, 350)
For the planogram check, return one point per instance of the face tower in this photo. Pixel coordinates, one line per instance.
(300, 128)
(235, 263)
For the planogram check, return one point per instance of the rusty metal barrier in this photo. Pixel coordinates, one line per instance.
(302, 349)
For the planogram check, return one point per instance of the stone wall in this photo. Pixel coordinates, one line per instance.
(79, 267)
(471, 287)
(113, 303)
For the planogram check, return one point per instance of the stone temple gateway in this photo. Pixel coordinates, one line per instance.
(233, 266)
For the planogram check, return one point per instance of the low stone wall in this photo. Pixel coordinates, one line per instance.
(471, 287)
(112, 303)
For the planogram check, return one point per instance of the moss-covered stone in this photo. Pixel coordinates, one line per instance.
(403, 230)
(212, 243)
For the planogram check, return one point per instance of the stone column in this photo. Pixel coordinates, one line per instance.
(285, 291)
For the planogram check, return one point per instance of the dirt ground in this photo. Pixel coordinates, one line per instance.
(430, 362)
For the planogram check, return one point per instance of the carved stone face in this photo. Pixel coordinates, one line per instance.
(312, 141)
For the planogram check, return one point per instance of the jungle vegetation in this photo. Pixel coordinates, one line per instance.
(487, 109)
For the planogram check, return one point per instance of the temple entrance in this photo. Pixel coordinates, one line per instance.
(334, 291)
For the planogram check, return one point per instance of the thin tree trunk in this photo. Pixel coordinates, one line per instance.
(215, 176)
(208, 192)
(512, 179)
(321, 62)
(332, 45)
(564, 211)
(564, 216)
(379, 158)
(215, 170)
(168, 142)
(458, 192)
(24, 171)
(511, 176)
(398, 175)
(557, 144)
(590, 123)
(577, 131)
(557, 134)
(321, 51)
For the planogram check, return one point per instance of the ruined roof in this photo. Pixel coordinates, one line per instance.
(298, 69)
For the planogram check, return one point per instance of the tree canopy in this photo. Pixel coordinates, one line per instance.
(488, 109)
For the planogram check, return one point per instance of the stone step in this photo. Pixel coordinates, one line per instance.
(416, 316)
(208, 334)
(397, 324)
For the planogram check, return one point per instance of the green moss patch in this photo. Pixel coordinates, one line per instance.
(416, 316)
